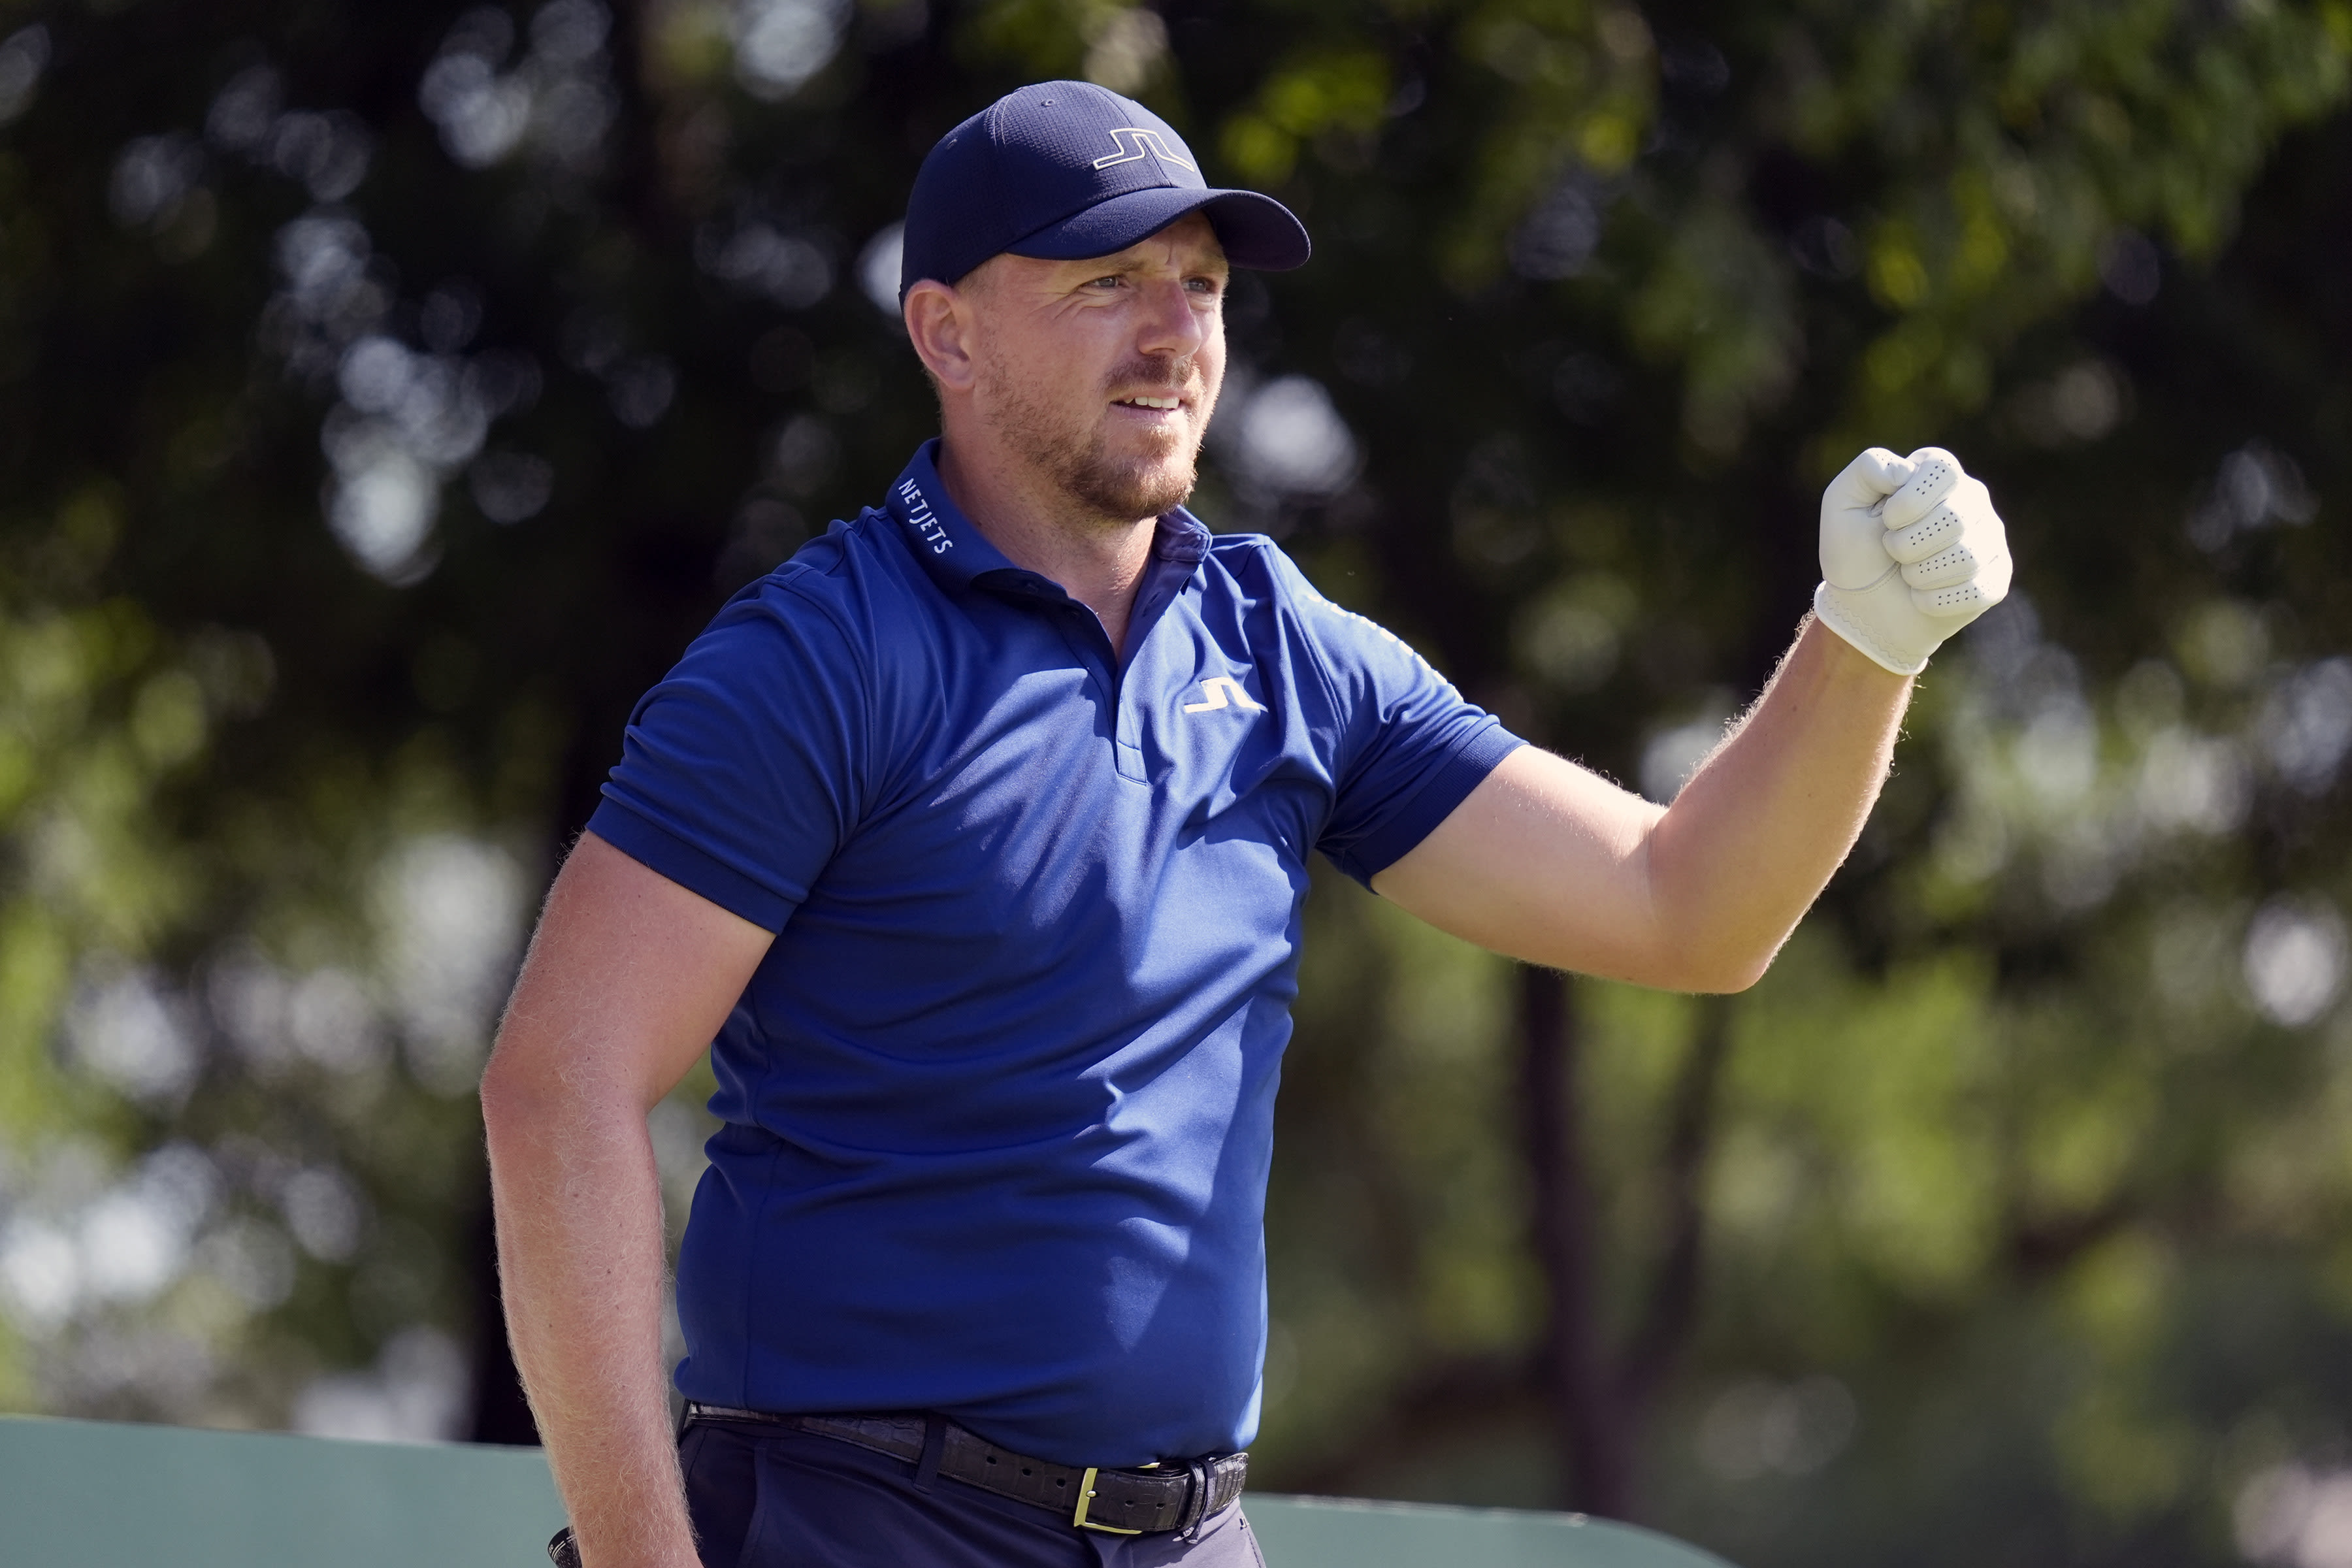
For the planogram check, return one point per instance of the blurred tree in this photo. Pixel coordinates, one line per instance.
(387, 396)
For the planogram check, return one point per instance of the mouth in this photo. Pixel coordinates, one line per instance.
(1151, 403)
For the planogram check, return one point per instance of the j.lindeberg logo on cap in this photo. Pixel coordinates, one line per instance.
(1133, 141)
(919, 518)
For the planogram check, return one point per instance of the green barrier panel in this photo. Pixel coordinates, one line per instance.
(88, 1494)
(1341, 1532)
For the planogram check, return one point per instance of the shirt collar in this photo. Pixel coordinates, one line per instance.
(945, 540)
(1181, 537)
(955, 552)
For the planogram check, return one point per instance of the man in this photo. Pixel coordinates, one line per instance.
(976, 835)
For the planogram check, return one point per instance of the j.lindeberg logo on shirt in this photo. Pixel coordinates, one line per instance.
(919, 517)
(1133, 141)
(1217, 690)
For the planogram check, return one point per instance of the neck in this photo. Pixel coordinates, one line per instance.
(1097, 560)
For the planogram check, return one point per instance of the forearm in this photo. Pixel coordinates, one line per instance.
(1757, 833)
(578, 1201)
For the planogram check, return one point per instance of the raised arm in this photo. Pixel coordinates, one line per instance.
(628, 979)
(1549, 863)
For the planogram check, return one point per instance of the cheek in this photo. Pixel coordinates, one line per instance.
(1033, 383)
(1210, 358)
(1066, 369)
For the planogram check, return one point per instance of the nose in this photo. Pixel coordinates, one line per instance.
(1175, 322)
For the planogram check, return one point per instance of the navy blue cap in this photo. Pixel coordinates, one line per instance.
(1067, 169)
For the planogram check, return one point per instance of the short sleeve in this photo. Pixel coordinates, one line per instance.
(739, 772)
(1409, 748)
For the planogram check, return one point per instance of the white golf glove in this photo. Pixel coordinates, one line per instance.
(1911, 552)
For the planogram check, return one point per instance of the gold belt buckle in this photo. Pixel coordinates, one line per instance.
(1086, 1497)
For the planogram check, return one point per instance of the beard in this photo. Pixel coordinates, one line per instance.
(1109, 485)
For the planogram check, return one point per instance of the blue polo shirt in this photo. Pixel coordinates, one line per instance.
(999, 1101)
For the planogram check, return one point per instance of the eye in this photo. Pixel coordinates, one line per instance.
(1209, 286)
(1108, 280)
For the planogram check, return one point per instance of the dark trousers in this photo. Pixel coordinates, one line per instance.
(770, 1497)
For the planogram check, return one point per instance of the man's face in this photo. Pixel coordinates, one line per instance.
(1101, 374)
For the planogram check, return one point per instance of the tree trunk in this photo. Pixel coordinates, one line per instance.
(1599, 1398)
(1671, 1310)
(1597, 1475)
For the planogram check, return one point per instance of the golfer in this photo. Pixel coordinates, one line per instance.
(973, 843)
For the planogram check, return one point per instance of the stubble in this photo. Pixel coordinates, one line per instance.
(1079, 461)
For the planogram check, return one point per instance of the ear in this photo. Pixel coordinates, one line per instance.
(939, 324)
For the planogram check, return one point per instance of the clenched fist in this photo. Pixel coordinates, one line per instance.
(1911, 552)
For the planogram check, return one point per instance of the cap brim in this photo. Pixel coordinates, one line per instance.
(1257, 232)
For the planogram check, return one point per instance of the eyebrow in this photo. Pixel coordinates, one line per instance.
(1123, 263)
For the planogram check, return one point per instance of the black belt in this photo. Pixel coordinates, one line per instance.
(1149, 1501)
